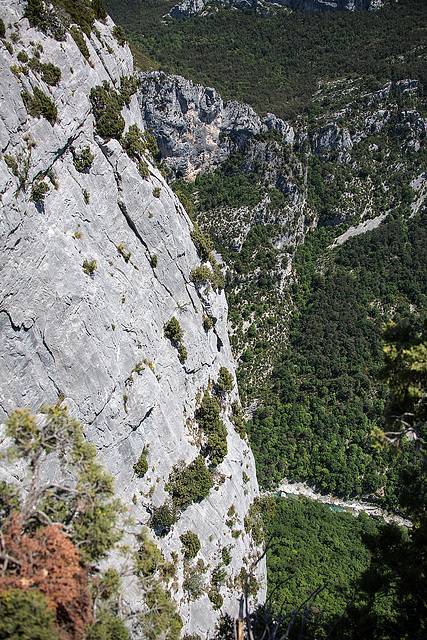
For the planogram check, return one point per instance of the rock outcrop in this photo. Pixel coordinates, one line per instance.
(93, 264)
(189, 8)
(195, 130)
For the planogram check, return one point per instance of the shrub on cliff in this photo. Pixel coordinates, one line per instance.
(52, 530)
(107, 104)
(207, 416)
(26, 615)
(188, 484)
(39, 104)
(191, 543)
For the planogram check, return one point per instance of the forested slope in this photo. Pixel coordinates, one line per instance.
(273, 61)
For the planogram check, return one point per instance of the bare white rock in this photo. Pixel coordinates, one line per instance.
(68, 335)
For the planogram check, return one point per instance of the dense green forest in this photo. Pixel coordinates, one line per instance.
(273, 61)
(312, 547)
(329, 395)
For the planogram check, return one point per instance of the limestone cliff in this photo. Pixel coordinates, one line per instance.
(188, 8)
(93, 265)
(195, 129)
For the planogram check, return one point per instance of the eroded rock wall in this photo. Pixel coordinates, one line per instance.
(195, 129)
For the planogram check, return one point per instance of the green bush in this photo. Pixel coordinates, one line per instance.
(84, 159)
(133, 143)
(12, 163)
(143, 169)
(22, 57)
(151, 143)
(165, 516)
(201, 274)
(207, 323)
(189, 484)
(186, 203)
(39, 104)
(128, 86)
(153, 261)
(173, 331)
(182, 353)
(237, 419)
(207, 416)
(194, 583)
(109, 627)
(26, 615)
(216, 599)
(98, 8)
(50, 73)
(119, 34)
(107, 104)
(219, 575)
(39, 191)
(226, 556)
(225, 382)
(78, 38)
(35, 64)
(159, 619)
(202, 241)
(191, 543)
(141, 467)
(2, 29)
(156, 192)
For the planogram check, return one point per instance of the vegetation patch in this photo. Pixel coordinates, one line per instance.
(89, 267)
(164, 517)
(188, 484)
(83, 160)
(107, 104)
(78, 38)
(39, 191)
(141, 466)
(225, 382)
(191, 543)
(119, 34)
(208, 419)
(159, 618)
(50, 73)
(173, 331)
(39, 104)
(194, 581)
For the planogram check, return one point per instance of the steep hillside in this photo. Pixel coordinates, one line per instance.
(96, 262)
(272, 60)
(357, 164)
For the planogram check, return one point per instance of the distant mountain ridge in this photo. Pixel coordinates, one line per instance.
(189, 8)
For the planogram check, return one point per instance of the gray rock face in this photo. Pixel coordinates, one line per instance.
(331, 5)
(331, 137)
(79, 337)
(194, 128)
(189, 8)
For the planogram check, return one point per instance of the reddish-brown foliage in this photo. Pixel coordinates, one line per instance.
(47, 560)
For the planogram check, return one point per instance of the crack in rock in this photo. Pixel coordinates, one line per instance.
(98, 413)
(147, 415)
(14, 326)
